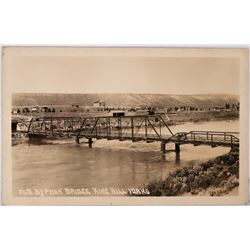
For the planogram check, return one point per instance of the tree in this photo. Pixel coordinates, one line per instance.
(227, 106)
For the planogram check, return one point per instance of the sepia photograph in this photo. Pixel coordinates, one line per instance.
(114, 125)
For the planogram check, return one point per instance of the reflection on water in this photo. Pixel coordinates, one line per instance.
(108, 163)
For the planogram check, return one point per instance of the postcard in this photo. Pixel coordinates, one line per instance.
(124, 125)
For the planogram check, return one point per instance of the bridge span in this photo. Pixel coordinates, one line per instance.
(148, 128)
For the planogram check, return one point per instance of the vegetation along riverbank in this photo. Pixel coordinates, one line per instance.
(213, 178)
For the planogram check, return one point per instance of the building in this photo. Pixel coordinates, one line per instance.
(99, 104)
(35, 109)
(14, 126)
(118, 113)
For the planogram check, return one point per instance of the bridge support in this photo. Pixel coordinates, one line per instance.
(163, 147)
(177, 157)
(177, 147)
(90, 142)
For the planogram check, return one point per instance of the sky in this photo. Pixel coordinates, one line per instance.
(118, 74)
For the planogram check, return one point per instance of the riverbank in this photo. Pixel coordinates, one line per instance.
(203, 116)
(213, 178)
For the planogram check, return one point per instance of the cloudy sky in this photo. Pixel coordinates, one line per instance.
(114, 73)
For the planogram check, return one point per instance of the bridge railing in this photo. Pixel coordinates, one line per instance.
(207, 137)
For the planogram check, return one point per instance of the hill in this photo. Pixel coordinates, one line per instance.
(123, 100)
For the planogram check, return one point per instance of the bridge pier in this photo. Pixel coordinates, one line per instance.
(90, 142)
(177, 157)
(177, 148)
(163, 147)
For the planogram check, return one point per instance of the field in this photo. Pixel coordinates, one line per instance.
(197, 116)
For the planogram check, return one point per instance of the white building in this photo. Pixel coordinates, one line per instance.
(99, 104)
(34, 109)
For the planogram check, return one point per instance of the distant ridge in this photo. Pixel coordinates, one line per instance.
(126, 100)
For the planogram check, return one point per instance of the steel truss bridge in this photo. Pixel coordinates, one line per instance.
(148, 128)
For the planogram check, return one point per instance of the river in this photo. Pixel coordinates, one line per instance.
(117, 164)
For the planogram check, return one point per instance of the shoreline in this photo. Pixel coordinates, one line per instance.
(216, 177)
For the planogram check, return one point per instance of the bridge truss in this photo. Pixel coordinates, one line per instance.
(147, 128)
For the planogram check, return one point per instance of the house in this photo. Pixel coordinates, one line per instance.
(118, 113)
(151, 112)
(14, 126)
(16, 111)
(34, 109)
(99, 104)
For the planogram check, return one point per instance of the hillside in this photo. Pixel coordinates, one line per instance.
(125, 100)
